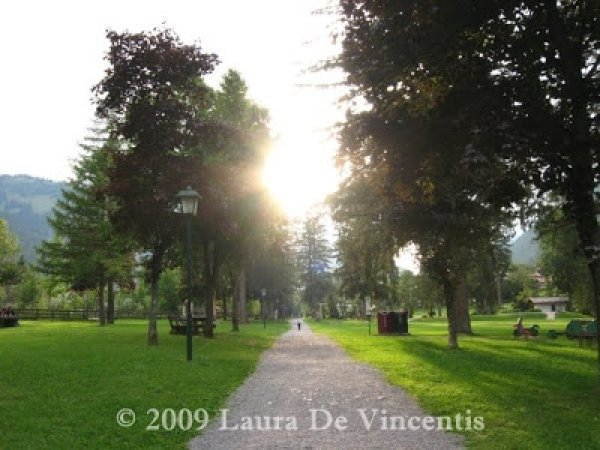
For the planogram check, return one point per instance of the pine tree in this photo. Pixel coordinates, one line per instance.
(314, 260)
(86, 252)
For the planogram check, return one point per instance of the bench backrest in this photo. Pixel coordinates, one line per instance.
(581, 328)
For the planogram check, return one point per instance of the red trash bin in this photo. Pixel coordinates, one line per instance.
(382, 322)
(392, 322)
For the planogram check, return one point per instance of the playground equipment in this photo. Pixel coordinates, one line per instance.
(520, 330)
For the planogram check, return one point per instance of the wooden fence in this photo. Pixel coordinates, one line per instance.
(76, 314)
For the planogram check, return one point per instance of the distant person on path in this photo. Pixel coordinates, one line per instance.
(299, 324)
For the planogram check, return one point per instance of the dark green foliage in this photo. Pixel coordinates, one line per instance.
(10, 266)
(271, 267)
(151, 95)
(30, 289)
(490, 267)
(518, 285)
(365, 245)
(87, 252)
(563, 262)
(169, 289)
(314, 261)
(428, 142)
(150, 87)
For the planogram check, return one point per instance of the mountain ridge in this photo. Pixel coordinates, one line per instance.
(25, 203)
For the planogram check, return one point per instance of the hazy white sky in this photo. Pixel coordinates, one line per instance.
(52, 54)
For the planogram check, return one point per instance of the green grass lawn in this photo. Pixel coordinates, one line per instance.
(533, 394)
(62, 383)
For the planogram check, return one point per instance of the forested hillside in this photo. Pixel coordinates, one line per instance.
(525, 249)
(25, 203)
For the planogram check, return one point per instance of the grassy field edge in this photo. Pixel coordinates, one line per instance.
(63, 383)
(534, 394)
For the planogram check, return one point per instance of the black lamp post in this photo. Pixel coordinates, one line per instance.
(189, 206)
(370, 316)
(263, 293)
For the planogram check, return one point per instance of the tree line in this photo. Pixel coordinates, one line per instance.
(162, 128)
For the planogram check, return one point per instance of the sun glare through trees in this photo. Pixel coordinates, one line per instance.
(299, 175)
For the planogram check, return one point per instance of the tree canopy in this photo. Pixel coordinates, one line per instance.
(426, 138)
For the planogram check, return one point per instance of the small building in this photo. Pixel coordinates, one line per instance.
(550, 304)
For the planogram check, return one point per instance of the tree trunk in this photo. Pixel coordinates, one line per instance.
(362, 312)
(499, 291)
(235, 314)
(110, 312)
(101, 311)
(449, 294)
(211, 268)
(152, 328)
(241, 283)
(225, 308)
(235, 310)
(210, 311)
(461, 307)
(582, 178)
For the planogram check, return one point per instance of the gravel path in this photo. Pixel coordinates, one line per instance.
(309, 382)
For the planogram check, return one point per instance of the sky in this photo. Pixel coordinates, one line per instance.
(53, 53)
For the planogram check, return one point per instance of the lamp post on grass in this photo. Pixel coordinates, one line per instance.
(369, 311)
(188, 199)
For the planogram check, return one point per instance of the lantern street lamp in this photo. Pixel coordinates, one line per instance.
(369, 311)
(263, 293)
(188, 199)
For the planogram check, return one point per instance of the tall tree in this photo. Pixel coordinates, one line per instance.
(444, 187)
(365, 245)
(151, 96)
(272, 268)
(237, 215)
(314, 260)
(86, 252)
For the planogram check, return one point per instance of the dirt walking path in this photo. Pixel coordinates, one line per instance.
(308, 394)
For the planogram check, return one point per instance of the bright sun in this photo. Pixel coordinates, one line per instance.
(300, 174)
